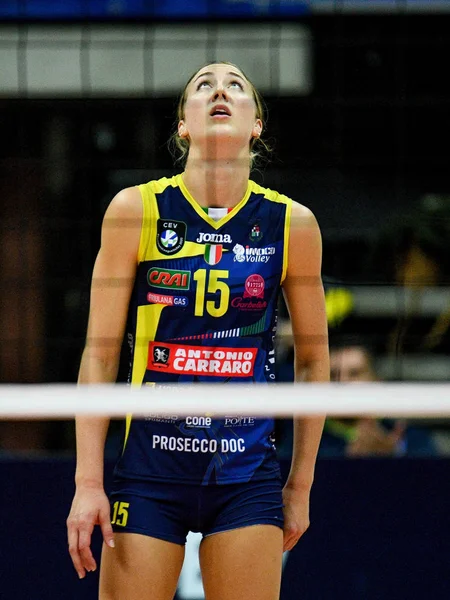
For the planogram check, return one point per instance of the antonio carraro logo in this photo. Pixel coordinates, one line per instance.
(170, 236)
(213, 361)
(160, 355)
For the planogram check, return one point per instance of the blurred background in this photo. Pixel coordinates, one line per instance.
(358, 104)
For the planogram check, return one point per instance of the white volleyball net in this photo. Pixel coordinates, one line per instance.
(75, 133)
(283, 400)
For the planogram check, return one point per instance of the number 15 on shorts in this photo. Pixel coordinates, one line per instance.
(120, 513)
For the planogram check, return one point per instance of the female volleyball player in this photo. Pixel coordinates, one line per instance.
(191, 268)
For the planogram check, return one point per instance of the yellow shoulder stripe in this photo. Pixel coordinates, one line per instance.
(273, 196)
(150, 210)
(269, 194)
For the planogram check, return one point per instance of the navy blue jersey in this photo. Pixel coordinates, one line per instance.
(203, 309)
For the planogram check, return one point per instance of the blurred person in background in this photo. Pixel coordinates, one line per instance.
(413, 252)
(352, 361)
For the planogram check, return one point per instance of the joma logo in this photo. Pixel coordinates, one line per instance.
(167, 278)
(215, 238)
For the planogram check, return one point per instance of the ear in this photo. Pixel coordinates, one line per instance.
(257, 128)
(182, 130)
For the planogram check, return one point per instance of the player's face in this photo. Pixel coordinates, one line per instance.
(351, 365)
(219, 106)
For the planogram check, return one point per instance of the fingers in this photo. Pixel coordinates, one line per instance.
(105, 526)
(79, 531)
(289, 543)
(86, 526)
(291, 535)
(72, 536)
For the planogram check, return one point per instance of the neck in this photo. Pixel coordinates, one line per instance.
(220, 183)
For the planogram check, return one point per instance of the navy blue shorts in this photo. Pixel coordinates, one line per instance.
(169, 511)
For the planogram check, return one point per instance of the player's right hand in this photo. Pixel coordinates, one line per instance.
(90, 507)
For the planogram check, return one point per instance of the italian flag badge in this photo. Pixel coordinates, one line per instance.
(213, 253)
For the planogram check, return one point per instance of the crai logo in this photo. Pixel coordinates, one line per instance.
(169, 278)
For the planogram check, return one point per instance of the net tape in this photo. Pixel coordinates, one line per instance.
(335, 399)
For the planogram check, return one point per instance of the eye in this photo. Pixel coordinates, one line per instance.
(235, 83)
(204, 83)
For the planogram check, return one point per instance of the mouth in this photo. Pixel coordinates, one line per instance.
(220, 110)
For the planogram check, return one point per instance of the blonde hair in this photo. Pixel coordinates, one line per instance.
(179, 147)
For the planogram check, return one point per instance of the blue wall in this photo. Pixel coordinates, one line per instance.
(170, 9)
(380, 530)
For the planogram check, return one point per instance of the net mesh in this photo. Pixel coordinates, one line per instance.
(88, 107)
(283, 400)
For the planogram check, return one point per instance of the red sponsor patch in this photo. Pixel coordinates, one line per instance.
(159, 299)
(201, 360)
(248, 304)
(254, 286)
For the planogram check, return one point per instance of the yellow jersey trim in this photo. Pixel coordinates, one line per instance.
(198, 209)
(147, 250)
(147, 321)
(273, 196)
(128, 420)
(287, 233)
(149, 217)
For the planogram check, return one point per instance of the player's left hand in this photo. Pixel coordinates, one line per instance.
(296, 515)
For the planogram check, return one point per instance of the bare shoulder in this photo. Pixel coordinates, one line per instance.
(304, 229)
(122, 223)
(302, 216)
(126, 204)
(305, 243)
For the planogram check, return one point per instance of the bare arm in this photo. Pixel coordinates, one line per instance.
(304, 296)
(112, 282)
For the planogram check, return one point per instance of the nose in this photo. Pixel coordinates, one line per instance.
(219, 93)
